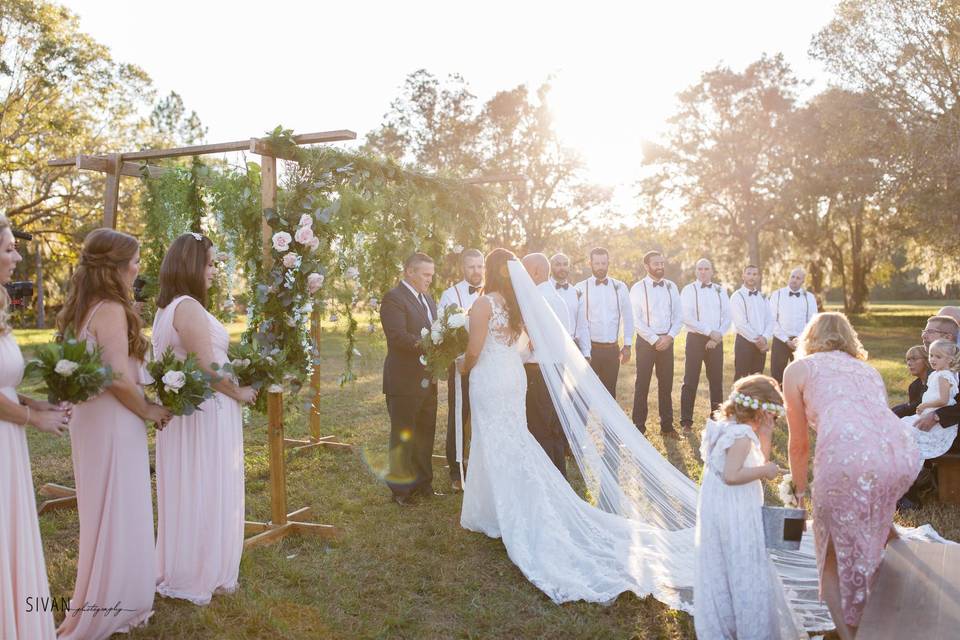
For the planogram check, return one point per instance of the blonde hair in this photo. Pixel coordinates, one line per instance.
(4, 298)
(830, 331)
(761, 388)
(948, 349)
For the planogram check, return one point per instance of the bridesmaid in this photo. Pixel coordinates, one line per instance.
(115, 569)
(200, 493)
(23, 574)
(865, 460)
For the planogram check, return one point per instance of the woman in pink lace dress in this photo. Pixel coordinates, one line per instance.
(865, 460)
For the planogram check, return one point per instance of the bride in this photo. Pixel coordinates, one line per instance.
(635, 532)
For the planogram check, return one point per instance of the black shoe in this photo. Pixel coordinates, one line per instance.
(404, 501)
(906, 504)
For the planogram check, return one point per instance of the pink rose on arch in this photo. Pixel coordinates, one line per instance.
(304, 235)
(314, 282)
(306, 220)
(281, 241)
(314, 244)
(290, 260)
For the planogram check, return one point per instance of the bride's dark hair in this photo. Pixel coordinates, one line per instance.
(496, 279)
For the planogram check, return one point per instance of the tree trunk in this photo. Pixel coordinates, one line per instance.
(41, 318)
(858, 264)
(753, 247)
(816, 273)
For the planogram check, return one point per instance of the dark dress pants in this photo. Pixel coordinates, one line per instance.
(780, 356)
(747, 358)
(605, 362)
(649, 359)
(413, 423)
(695, 354)
(542, 419)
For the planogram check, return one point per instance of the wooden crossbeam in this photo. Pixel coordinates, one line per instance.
(130, 169)
(338, 135)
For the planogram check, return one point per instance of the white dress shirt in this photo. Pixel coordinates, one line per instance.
(559, 307)
(705, 308)
(420, 297)
(751, 315)
(791, 313)
(656, 306)
(459, 294)
(578, 314)
(607, 307)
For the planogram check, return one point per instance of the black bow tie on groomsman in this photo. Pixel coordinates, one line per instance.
(753, 293)
(659, 284)
(564, 286)
(706, 285)
(472, 290)
(601, 282)
(795, 293)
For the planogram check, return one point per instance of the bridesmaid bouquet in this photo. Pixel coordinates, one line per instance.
(70, 372)
(444, 341)
(180, 385)
(251, 368)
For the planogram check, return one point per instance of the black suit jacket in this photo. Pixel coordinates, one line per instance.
(403, 317)
(915, 394)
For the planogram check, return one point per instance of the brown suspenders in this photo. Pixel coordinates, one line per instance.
(696, 296)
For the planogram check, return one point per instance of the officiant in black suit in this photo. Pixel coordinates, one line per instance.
(411, 395)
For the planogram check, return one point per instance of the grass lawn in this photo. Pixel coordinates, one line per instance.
(414, 573)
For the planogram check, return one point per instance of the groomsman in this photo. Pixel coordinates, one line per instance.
(411, 394)
(791, 308)
(542, 419)
(607, 307)
(706, 315)
(560, 278)
(751, 317)
(656, 306)
(463, 294)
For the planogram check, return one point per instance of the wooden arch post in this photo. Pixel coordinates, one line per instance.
(117, 165)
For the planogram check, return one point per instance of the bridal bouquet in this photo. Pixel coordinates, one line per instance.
(788, 492)
(180, 385)
(70, 372)
(444, 341)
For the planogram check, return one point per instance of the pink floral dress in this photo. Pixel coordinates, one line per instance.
(865, 460)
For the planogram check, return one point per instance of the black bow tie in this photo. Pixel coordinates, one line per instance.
(472, 290)
(795, 293)
(563, 286)
(601, 282)
(659, 284)
(753, 293)
(705, 286)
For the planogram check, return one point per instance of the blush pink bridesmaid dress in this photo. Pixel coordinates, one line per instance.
(111, 466)
(865, 459)
(23, 574)
(200, 490)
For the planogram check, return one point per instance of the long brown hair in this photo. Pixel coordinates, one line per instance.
(4, 298)
(104, 253)
(182, 269)
(497, 280)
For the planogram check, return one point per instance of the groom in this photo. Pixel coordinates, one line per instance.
(542, 419)
(411, 394)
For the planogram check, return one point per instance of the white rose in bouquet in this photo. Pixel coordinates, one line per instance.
(424, 332)
(173, 381)
(436, 336)
(306, 220)
(66, 368)
(304, 235)
(788, 491)
(457, 320)
(281, 241)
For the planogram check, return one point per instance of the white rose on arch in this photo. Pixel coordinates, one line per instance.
(306, 220)
(304, 235)
(281, 241)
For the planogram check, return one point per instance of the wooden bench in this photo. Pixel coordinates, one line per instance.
(947, 468)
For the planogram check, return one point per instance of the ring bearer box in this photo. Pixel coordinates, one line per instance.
(783, 527)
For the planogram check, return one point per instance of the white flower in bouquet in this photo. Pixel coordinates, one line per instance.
(436, 336)
(66, 368)
(788, 491)
(424, 332)
(304, 235)
(306, 220)
(457, 320)
(281, 241)
(290, 260)
(314, 282)
(173, 381)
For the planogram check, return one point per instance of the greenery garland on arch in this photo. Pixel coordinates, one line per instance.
(343, 224)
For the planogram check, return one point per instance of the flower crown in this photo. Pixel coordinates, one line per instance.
(752, 403)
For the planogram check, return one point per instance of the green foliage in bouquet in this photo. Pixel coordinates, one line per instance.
(180, 385)
(255, 369)
(444, 341)
(70, 372)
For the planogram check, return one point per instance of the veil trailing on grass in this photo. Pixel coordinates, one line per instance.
(625, 475)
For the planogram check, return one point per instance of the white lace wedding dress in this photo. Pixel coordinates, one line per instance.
(566, 547)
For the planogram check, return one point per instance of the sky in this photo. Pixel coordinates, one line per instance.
(616, 67)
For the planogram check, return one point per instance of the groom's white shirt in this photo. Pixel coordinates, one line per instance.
(459, 294)
(559, 307)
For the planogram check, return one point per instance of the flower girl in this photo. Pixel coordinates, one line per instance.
(737, 594)
(941, 392)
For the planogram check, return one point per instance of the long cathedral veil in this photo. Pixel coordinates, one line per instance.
(627, 476)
